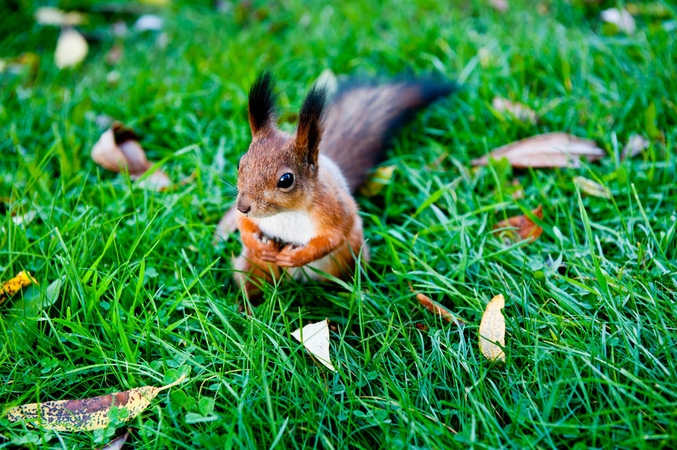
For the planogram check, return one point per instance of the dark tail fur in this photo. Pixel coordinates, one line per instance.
(362, 117)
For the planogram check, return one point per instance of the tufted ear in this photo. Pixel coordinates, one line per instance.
(262, 104)
(309, 131)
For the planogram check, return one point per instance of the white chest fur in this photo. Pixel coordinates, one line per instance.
(294, 227)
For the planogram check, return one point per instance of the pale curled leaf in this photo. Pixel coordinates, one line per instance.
(522, 226)
(518, 110)
(545, 150)
(592, 188)
(499, 5)
(315, 338)
(435, 308)
(148, 22)
(118, 150)
(48, 15)
(85, 414)
(621, 18)
(71, 48)
(636, 144)
(492, 330)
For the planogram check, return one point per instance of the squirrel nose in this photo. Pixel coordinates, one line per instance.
(243, 207)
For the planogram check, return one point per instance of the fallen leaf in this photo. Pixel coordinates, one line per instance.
(114, 55)
(435, 308)
(118, 150)
(622, 19)
(156, 2)
(156, 181)
(635, 145)
(377, 181)
(71, 48)
(492, 330)
(592, 188)
(21, 320)
(14, 285)
(148, 22)
(525, 227)
(315, 338)
(545, 150)
(518, 110)
(656, 10)
(499, 5)
(27, 218)
(117, 443)
(85, 414)
(54, 16)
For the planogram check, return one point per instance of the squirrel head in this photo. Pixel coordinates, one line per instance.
(279, 171)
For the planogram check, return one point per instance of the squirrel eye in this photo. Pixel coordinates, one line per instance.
(285, 181)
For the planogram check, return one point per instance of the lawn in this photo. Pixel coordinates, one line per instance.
(145, 295)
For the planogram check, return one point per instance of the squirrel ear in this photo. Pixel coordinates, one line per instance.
(262, 103)
(309, 131)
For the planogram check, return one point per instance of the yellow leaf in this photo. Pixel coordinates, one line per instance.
(71, 48)
(14, 285)
(492, 330)
(86, 414)
(377, 181)
(315, 338)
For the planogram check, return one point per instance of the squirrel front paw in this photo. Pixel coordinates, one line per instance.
(265, 248)
(293, 256)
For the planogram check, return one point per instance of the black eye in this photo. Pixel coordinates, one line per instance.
(286, 181)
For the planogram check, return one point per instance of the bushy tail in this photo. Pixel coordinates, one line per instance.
(363, 115)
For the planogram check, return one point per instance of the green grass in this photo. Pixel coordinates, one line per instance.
(591, 306)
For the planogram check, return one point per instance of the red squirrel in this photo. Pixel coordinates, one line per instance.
(295, 207)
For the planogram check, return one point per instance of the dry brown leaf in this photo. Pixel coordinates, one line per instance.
(377, 181)
(114, 55)
(117, 443)
(492, 330)
(525, 227)
(592, 188)
(14, 285)
(71, 48)
(636, 145)
(86, 414)
(118, 150)
(518, 110)
(435, 308)
(545, 150)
